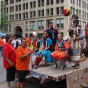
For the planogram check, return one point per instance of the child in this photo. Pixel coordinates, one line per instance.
(61, 51)
(44, 50)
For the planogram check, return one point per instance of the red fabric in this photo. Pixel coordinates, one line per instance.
(86, 32)
(37, 61)
(86, 26)
(9, 52)
(66, 45)
(53, 54)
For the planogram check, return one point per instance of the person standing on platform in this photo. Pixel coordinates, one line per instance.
(9, 60)
(52, 34)
(22, 62)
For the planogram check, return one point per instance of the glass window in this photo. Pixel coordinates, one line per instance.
(26, 5)
(30, 14)
(57, 1)
(23, 6)
(20, 16)
(16, 7)
(16, 16)
(26, 14)
(34, 4)
(60, 22)
(62, 1)
(38, 3)
(34, 13)
(47, 2)
(51, 1)
(32, 25)
(51, 11)
(42, 2)
(26, 24)
(23, 15)
(42, 12)
(61, 9)
(38, 13)
(57, 10)
(47, 11)
(41, 24)
(19, 7)
(30, 4)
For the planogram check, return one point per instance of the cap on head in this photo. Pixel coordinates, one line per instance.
(34, 34)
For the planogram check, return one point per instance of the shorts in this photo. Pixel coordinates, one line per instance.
(21, 75)
(10, 74)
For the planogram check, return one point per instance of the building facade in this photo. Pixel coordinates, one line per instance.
(27, 16)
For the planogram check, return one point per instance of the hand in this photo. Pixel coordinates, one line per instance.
(11, 64)
(77, 38)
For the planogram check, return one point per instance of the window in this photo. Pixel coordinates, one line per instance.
(40, 35)
(79, 22)
(72, 1)
(23, 6)
(57, 10)
(16, 16)
(38, 13)
(11, 1)
(42, 2)
(30, 4)
(48, 21)
(62, 1)
(42, 12)
(51, 10)
(76, 11)
(6, 10)
(26, 24)
(32, 25)
(83, 23)
(18, 0)
(6, 2)
(26, 5)
(20, 16)
(34, 4)
(19, 7)
(79, 3)
(61, 9)
(30, 14)
(26, 14)
(47, 2)
(16, 7)
(41, 24)
(47, 11)
(87, 6)
(87, 15)
(23, 15)
(34, 13)
(51, 1)
(57, 1)
(38, 3)
(60, 22)
(80, 13)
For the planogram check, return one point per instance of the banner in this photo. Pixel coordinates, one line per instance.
(77, 78)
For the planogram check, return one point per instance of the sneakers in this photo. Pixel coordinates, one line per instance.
(76, 65)
(63, 67)
(55, 66)
(35, 67)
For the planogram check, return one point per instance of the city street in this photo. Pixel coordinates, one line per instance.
(30, 82)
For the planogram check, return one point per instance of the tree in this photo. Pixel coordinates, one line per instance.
(4, 18)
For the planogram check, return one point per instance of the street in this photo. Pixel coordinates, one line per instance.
(30, 82)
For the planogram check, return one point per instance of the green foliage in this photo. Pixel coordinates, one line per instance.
(4, 18)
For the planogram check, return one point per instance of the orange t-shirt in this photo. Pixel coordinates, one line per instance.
(22, 64)
(1, 42)
(28, 41)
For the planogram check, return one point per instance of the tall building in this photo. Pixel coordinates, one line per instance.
(27, 16)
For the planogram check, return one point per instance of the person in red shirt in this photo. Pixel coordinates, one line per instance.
(9, 60)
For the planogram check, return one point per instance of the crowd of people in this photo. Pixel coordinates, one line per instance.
(53, 47)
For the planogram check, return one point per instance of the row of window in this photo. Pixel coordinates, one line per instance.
(40, 23)
(11, 1)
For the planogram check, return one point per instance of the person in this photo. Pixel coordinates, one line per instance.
(78, 41)
(22, 62)
(9, 60)
(52, 34)
(61, 51)
(28, 41)
(44, 50)
(56, 27)
(1, 46)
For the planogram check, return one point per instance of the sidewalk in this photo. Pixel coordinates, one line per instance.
(12, 84)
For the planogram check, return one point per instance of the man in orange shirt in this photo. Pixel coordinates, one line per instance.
(1, 46)
(22, 62)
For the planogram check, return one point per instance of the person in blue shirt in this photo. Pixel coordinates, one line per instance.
(44, 50)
